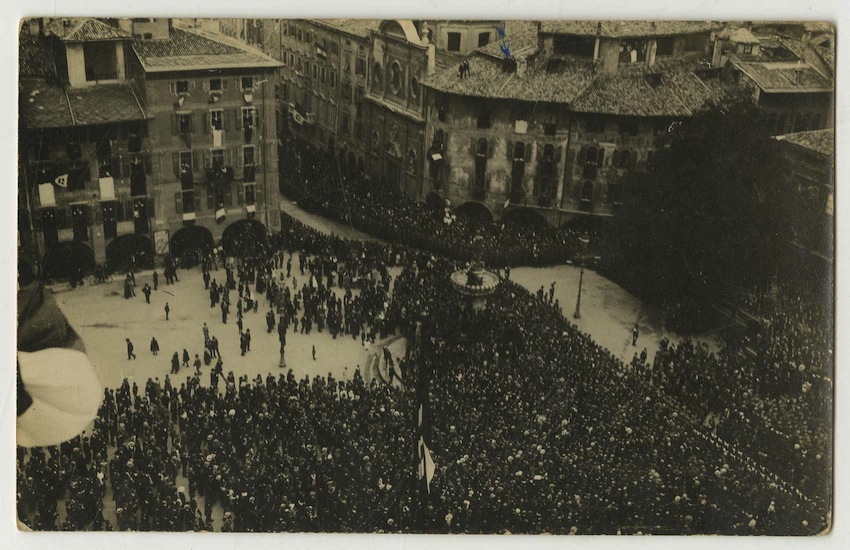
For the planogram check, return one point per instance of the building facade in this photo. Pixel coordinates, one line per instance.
(172, 131)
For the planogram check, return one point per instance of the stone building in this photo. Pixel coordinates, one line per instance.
(811, 163)
(163, 133)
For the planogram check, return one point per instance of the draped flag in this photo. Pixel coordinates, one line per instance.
(426, 464)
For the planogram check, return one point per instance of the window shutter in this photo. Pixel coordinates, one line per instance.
(557, 156)
(197, 161)
(257, 116)
(581, 154)
(238, 153)
(258, 195)
(172, 88)
(178, 202)
(509, 146)
(207, 158)
(197, 124)
(600, 156)
(240, 195)
(238, 114)
(148, 165)
(228, 196)
(237, 84)
(208, 119)
(210, 199)
(125, 166)
(539, 152)
(225, 116)
(176, 163)
(491, 146)
(257, 159)
(151, 208)
(223, 84)
(191, 86)
(528, 149)
(196, 198)
(472, 147)
(173, 124)
(206, 85)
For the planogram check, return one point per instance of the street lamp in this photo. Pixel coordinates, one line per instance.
(584, 240)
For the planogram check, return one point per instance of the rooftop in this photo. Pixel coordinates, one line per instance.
(739, 35)
(35, 56)
(670, 88)
(821, 142)
(518, 35)
(83, 29)
(626, 29)
(47, 106)
(781, 77)
(197, 49)
(355, 27)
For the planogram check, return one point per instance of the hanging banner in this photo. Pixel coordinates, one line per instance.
(107, 189)
(219, 214)
(46, 194)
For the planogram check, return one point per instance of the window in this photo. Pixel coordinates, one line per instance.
(334, 47)
(100, 61)
(250, 194)
(346, 94)
(377, 75)
(215, 85)
(184, 123)
(664, 45)
(547, 171)
(395, 78)
(587, 194)
(346, 62)
(595, 125)
(748, 48)
(629, 127)
(442, 103)
(249, 117)
(414, 88)
(633, 50)
(453, 42)
(247, 82)
(481, 153)
(483, 120)
(518, 167)
(615, 192)
(695, 42)
(217, 119)
(360, 67)
(550, 128)
(248, 163)
(483, 39)
(579, 46)
(182, 87)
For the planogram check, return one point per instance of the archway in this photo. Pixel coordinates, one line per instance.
(62, 260)
(188, 241)
(475, 211)
(244, 238)
(525, 217)
(118, 253)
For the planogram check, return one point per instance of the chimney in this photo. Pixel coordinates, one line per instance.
(432, 59)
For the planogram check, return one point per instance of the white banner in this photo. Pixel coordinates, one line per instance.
(107, 189)
(219, 214)
(46, 194)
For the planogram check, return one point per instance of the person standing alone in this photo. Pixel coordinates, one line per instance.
(130, 353)
(167, 310)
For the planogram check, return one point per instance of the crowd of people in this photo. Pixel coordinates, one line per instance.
(532, 426)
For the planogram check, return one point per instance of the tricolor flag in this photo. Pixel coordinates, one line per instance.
(426, 464)
(62, 181)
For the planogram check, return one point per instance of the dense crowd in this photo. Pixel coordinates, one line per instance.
(532, 426)
(381, 210)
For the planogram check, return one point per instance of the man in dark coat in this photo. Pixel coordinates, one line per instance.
(154, 346)
(130, 354)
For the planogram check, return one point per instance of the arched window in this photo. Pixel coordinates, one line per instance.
(396, 78)
(590, 156)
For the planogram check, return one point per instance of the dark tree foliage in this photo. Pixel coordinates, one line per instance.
(710, 218)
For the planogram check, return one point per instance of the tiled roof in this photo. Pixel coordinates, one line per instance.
(518, 35)
(780, 77)
(444, 60)
(355, 27)
(678, 91)
(488, 78)
(626, 29)
(821, 142)
(35, 58)
(47, 106)
(196, 49)
(83, 29)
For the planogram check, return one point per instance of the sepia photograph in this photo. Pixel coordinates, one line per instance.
(572, 277)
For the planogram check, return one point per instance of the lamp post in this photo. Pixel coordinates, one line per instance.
(585, 241)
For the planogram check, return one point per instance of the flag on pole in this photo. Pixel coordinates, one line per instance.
(426, 464)
(62, 181)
